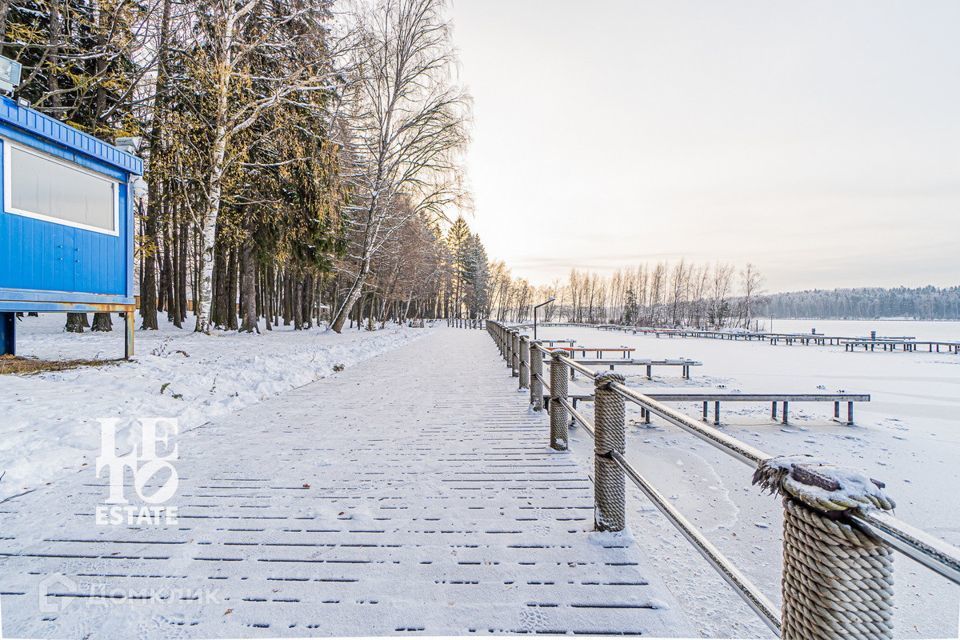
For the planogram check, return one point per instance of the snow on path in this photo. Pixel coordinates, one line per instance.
(412, 493)
(48, 422)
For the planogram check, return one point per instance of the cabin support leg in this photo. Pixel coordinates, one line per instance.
(129, 325)
(716, 414)
(8, 333)
(786, 412)
(850, 414)
(773, 411)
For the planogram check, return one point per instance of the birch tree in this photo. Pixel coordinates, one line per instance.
(405, 119)
(234, 32)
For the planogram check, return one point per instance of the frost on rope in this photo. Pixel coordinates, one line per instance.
(821, 485)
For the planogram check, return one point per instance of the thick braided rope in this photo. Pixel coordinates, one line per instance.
(524, 362)
(837, 580)
(536, 387)
(609, 417)
(558, 413)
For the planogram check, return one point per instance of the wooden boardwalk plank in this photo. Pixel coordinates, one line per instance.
(413, 493)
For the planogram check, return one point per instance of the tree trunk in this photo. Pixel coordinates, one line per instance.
(184, 236)
(248, 308)
(230, 291)
(102, 322)
(356, 290)
(76, 322)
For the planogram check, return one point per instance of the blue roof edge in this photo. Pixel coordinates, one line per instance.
(38, 124)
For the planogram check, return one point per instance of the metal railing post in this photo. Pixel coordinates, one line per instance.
(609, 513)
(559, 418)
(515, 353)
(536, 372)
(524, 362)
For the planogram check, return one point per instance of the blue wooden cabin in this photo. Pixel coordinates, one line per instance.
(66, 225)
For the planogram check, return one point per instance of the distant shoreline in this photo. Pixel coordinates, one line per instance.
(835, 319)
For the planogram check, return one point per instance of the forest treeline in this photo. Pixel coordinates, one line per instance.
(303, 166)
(661, 294)
(707, 296)
(302, 159)
(921, 303)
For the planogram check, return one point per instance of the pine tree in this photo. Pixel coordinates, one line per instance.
(458, 239)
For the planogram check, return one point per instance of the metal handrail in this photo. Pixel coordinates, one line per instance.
(747, 591)
(750, 594)
(935, 554)
(579, 417)
(546, 385)
(740, 450)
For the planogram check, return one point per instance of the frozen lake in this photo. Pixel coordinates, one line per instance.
(908, 436)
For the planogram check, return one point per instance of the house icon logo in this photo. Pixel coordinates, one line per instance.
(55, 593)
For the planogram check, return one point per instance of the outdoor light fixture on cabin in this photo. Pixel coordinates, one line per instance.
(9, 74)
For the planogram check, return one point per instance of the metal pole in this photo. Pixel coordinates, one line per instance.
(8, 333)
(535, 315)
(129, 323)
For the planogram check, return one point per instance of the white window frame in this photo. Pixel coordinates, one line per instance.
(8, 145)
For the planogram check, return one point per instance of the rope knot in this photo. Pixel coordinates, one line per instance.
(821, 486)
(606, 378)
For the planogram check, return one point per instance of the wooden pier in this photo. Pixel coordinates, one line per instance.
(775, 399)
(411, 494)
(907, 344)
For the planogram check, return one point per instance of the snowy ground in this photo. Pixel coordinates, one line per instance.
(407, 495)
(908, 436)
(48, 422)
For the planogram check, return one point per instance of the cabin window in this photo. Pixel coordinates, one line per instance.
(41, 186)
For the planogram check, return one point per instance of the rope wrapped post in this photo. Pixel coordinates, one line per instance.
(515, 353)
(837, 580)
(610, 428)
(536, 372)
(524, 362)
(559, 418)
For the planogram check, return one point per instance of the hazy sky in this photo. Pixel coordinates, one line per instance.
(819, 140)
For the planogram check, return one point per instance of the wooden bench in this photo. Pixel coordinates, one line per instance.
(644, 362)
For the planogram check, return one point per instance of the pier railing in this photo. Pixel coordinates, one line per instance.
(838, 534)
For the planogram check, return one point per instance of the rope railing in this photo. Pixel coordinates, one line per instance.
(838, 532)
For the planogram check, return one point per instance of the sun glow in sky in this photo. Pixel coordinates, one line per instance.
(819, 140)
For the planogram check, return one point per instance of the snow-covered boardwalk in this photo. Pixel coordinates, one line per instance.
(413, 493)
